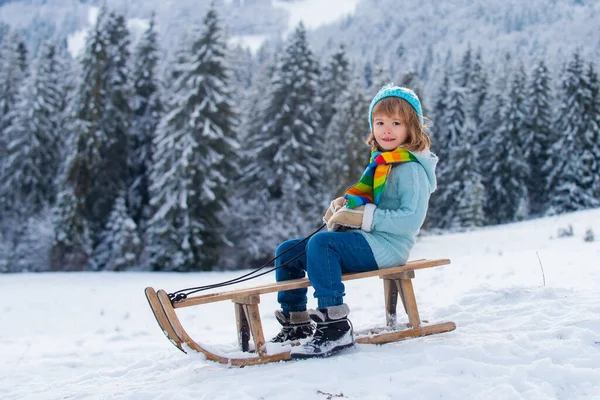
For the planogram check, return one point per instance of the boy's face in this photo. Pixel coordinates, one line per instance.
(389, 132)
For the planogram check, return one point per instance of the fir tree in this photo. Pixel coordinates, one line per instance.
(572, 162)
(368, 74)
(334, 80)
(72, 245)
(34, 151)
(508, 199)
(76, 204)
(11, 80)
(22, 56)
(492, 115)
(592, 135)
(466, 185)
(478, 88)
(32, 251)
(243, 66)
(120, 245)
(345, 138)
(4, 253)
(439, 139)
(282, 160)
(114, 122)
(465, 69)
(458, 202)
(286, 148)
(250, 204)
(193, 162)
(147, 110)
(437, 115)
(538, 135)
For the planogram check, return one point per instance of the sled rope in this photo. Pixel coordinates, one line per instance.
(184, 293)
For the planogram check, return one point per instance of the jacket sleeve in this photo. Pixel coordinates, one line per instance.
(408, 218)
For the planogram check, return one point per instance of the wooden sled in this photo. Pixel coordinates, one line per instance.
(397, 282)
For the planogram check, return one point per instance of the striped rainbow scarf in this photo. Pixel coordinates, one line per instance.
(372, 182)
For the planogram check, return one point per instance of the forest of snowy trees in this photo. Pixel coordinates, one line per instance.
(121, 160)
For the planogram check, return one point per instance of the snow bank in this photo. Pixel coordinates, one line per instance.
(92, 335)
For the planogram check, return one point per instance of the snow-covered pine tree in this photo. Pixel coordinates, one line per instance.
(439, 135)
(458, 201)
(592, 135)
(538, 126)
(75, 206)
(250, 206)
(32, 253)
(282, 184)
(491, 118)
(256, 102)
(333, 81)
(120, 244)
(114, 122)
(427, 63)
(368, 74)
(478, 88)
(345, 137)
(4, 254)
(4, 31)
(28, 182)
(72, 245)
(571, 163)
(11, 79)
(465, 69)
(23, 56)
(466, 184)
(507, 166)
(147, 111)
(287, 147)
(194, 161)
(243, 66)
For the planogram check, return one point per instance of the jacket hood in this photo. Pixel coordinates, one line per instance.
(428, 161)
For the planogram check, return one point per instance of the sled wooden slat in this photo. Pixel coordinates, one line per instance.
(302, 283)
(387, 337)
(243, 329)
(237, 362)
(408, 295)
(397, 283)
(391, 299)
(161, 318)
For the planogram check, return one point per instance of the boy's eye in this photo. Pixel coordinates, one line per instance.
(396, 123)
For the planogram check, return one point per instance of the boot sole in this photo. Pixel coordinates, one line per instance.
(302, 356)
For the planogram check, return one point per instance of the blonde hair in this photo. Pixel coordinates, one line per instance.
(418, 139)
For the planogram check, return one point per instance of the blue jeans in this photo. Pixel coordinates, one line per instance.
(328, 255)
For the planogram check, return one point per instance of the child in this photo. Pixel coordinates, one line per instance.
(373, 226)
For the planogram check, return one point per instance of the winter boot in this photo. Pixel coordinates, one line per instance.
(333, 333)
(295, 327)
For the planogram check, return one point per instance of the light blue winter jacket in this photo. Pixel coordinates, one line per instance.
(391, 227)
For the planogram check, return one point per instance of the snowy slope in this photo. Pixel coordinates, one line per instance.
(92, 335)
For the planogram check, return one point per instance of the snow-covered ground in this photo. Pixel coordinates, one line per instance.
(92, 335)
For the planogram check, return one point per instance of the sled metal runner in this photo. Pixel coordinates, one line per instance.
(397, 283)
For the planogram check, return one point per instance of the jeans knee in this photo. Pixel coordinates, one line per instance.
(318, 241)
(283, 247)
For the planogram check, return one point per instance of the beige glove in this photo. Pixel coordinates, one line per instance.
(346, 218)
(333, 207)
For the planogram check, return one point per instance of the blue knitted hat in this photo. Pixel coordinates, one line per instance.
(400, 92)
